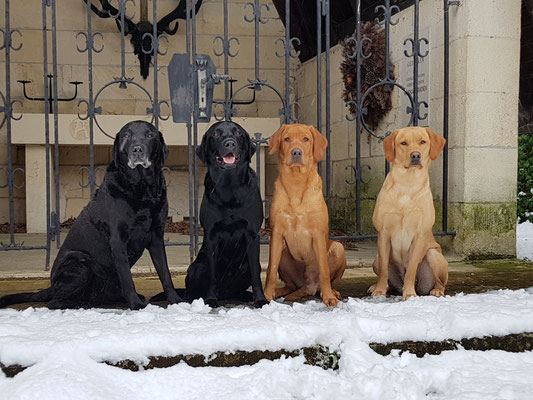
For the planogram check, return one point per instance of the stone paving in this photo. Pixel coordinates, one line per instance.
(24, 270)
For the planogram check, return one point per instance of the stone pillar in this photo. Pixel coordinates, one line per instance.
(36, 188)
(484, 60)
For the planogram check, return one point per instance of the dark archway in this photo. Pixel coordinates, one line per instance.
(525, 113)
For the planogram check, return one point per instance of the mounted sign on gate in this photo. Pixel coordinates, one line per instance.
(182, 78)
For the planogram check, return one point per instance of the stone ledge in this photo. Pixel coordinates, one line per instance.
(318, 355)
(74, 131)
(514, 343)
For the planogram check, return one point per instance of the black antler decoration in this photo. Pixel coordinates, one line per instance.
(142, 43)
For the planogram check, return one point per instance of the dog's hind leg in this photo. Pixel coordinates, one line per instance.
(337, 264)
(31, 297)
(424, 278)
(395, 278)
(196, 281)
(70, 280)
(302, 292)
(291, 273)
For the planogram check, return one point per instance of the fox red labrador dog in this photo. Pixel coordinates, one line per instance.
(300, 249)
(409, 259)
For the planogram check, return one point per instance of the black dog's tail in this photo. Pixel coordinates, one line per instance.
(29, 297)
(163, 297)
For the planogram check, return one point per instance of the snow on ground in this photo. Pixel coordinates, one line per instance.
(524, 241)
(64, 348)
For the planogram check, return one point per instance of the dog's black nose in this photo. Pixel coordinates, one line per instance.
(230, 144)
(415, 155)
(296, 153)
(138, 149)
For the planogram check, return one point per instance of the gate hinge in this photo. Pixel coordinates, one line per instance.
(54, 223)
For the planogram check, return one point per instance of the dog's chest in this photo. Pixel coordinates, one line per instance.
(297, 234)
(140, 230)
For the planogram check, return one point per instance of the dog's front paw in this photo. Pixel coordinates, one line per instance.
(260, 303)
(270, 293)
(136, 305)
(437, 292)
(213, 303)
(330, 301)
(377, 290)
(173, 297)
(408, 293)
(135, 301)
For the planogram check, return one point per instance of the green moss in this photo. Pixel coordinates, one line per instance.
(502, 265)
(374, 176)
(484, 230)
(491, 218)
(343, 215)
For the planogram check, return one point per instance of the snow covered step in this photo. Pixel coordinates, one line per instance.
(319, 356)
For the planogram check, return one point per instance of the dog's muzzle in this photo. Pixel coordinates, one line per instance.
(296, 156)
(137, 156)
(231, 156)
(415, 158)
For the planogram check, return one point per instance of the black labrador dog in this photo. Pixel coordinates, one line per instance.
(126, 216)
(231, 215)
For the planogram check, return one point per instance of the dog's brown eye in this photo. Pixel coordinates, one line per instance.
(306, 139)
(287, 139)
(404, 143)
(149, 134)
(423, 142)
(127, 135)
(216, 134)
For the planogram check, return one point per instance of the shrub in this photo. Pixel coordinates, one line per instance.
(525, 177)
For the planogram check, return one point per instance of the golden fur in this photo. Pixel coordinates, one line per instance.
(409, 259)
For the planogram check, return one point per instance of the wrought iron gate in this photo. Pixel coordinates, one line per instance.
(253, 13)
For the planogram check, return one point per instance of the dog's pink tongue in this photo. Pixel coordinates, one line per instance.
(230, 159)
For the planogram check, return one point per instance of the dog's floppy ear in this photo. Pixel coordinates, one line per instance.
(249, 146)
(319, 143)
(437, 143)
(250, 151)
(201, 151)
(275, 140)
(116, 149)
(162, 148)
(388, 146)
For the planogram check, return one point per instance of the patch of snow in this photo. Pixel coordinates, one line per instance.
(64, 350)
(524, 241)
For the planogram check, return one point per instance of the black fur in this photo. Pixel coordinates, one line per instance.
(126, 216)
(231, 215)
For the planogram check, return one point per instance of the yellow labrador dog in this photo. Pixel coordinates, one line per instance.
(409, 259)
